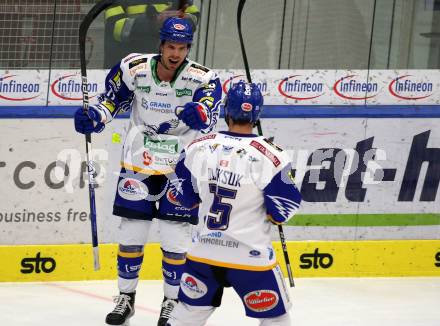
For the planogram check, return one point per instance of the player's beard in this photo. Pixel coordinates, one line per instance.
(165, 64)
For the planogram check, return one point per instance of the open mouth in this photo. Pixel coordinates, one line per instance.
(173, 62)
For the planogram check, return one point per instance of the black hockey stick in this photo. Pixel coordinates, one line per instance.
(260, 132)
(83, 28)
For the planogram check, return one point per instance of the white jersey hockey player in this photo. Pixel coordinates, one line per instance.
(153, 87)
(242, 184)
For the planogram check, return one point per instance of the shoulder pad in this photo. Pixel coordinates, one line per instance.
(133, 63)
(266, 152)
(211, 136)
(269, 141)
(130, 57)
(137, 62)
(200, 67)
(197, 70)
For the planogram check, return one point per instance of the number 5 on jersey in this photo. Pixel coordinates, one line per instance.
(219, 213)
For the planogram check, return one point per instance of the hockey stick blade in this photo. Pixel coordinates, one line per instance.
(260, 132)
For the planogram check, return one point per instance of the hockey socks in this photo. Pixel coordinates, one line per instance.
(172, 269)
(129, 264)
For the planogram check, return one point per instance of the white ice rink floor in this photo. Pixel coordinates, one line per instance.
(317, 302)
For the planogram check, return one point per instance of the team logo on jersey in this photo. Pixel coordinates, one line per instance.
(132, 189)
(184, 92)
(285, 207)
(163, 128)
(262, 300)
(192, 286)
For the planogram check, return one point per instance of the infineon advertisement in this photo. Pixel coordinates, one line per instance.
(361, 178)
(280, 87)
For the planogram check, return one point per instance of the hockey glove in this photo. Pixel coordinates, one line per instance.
(194, 114)
(86, 123)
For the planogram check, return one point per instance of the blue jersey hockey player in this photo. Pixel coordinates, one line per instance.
(152, 86)
(242, 184)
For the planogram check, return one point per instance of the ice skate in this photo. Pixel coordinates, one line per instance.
(167, 306)
(123, 311)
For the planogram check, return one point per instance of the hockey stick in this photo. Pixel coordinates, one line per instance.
(260, 132)
(83, 28)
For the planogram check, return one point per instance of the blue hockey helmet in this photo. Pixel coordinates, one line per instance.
(176, 29)
(244, 102)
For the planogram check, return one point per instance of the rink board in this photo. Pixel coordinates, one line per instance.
(44, 181)
(279, 87)
(308, 258)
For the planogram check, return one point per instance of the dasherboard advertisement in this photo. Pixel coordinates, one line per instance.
(279, 87)
(361, 179)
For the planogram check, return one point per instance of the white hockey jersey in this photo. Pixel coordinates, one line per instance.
(156, 136)
(243, 184)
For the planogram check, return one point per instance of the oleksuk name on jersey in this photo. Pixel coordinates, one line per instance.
(225, 177)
